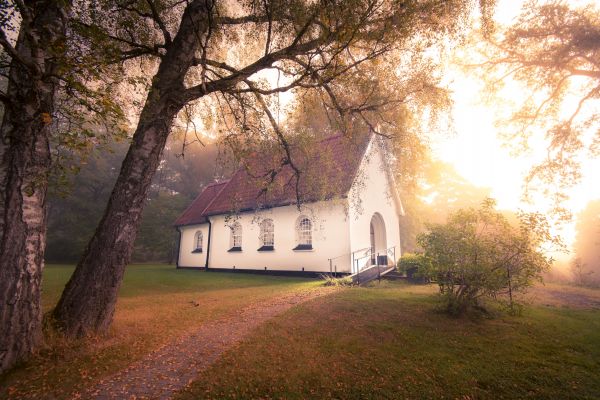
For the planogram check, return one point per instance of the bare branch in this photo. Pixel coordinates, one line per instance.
(269, 28)
(156, 17)
(592, 93)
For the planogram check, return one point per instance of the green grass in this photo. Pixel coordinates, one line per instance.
(143, 280)
(385, 341)
(390, 342)
(154, 306)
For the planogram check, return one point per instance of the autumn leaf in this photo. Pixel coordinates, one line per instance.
(46, 118)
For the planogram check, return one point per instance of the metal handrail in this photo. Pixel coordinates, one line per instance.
(367, 252)
(333, 268)
(369, 263)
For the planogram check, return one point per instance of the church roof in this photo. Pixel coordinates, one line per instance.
(194, 213)
(326, 171)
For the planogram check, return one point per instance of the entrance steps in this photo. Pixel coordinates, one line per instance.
(369, 274)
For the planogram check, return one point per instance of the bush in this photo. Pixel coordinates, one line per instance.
(333, 281)
(415, 266)
(478, 255)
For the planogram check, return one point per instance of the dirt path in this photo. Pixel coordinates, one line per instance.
(555, 295)
(172, 367)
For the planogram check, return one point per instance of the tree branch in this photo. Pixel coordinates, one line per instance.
(156, 17)
(25, 12)
(14, 54)
(198, 91)
(281, 138)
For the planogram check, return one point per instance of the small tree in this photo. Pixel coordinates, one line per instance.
(581, 275)
(477, 254)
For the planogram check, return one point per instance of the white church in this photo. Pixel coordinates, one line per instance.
(348, 220)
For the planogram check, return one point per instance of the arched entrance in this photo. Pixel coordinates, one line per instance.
(378, 240)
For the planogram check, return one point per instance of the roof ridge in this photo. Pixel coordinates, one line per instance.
(193, 203)
(217, 183)
(223, 184)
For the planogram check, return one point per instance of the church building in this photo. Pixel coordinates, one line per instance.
(348, 218)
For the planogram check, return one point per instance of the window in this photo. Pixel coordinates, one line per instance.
(236, 237)
(267, 235)
(197, 242)
(303, 233)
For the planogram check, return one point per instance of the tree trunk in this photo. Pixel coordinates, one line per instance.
(88, 301)
(24, 166)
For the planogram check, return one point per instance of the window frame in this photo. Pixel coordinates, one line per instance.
(265, 235)
(198, 242)
(235, 237)
(304, 234)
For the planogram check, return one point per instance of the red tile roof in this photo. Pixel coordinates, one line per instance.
(194, 213)
(327, 170)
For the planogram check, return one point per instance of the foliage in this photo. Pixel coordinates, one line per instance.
(553, 50)
(89, 98)
(438, 192)
(477, 254)
(330, 280)
(76, 204)
(363, 64)
(157, 240)
(415, 266)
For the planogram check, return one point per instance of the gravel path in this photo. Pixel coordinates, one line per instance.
(174, 366)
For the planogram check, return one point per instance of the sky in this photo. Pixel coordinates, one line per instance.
(481, 157)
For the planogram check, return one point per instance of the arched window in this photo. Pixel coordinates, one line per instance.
(236, 237)
(267, 235)
(303, 233)
(197, 242)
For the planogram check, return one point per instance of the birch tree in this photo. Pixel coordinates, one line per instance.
(28, 101)
(44, 99)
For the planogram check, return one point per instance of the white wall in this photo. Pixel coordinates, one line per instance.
(371, 193)
(330, 239)
(339, 228)
(188, 244)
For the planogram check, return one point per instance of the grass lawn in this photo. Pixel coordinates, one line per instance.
(389, 342)
(154, 306)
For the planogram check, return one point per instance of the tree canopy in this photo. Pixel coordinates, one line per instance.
(553, 49)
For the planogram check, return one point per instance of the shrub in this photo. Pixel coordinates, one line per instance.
(477, 254)
(415, 266)
(333, 281)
